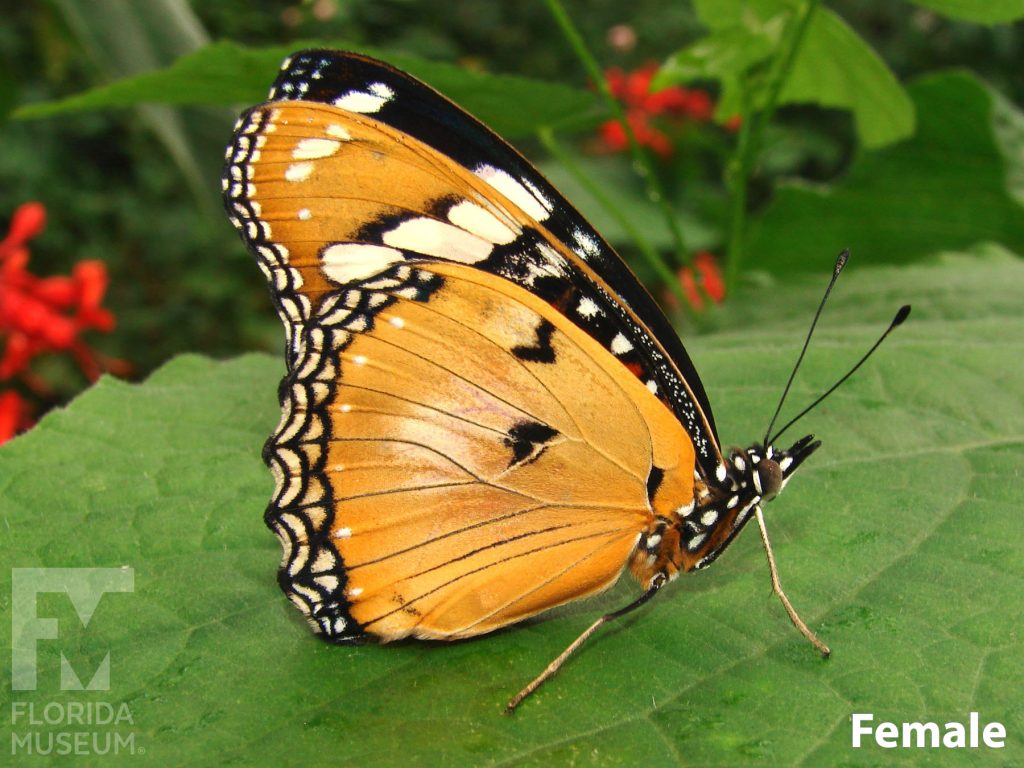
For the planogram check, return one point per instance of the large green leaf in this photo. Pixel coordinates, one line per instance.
(227, 73)
(900, 542)
(983, 11)
(834, 66)
(947, 188)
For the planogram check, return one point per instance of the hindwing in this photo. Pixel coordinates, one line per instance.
(434, 483)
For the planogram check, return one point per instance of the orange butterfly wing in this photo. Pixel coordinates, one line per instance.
(455, 453)
(473, 488)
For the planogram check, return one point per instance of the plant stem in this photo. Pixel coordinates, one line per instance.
(641, 161)
(756, 118)
(547, 138)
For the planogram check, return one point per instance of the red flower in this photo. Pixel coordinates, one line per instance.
(703, 279)
(676, 104)
(14, 414)
(614, 135)
(45, 314)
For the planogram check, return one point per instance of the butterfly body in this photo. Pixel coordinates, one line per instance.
(485, 415)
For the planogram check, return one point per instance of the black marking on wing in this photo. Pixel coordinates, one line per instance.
(528, 440)
(654, 479)
(541, 351)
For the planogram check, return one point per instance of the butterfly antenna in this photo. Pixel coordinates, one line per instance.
(656, 583)
(844, 256)
(902, 314)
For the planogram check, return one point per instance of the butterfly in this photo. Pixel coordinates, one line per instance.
(485, 414)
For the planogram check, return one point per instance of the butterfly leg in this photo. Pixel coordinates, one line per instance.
(777, 588)
(659, 580)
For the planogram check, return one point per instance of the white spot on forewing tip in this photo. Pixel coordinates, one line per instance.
(343, 533)
(515, 191)
(305, 214)
(480, 222)
(587, 244)
(365, 102)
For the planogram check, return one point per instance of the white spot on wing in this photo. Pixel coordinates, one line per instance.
(298, 171)
(365, 102)
(315, 149)
(522, 197)
(338, 132)
(482, 223)
(305, 214)
(437, 238)
(588, 308)
(620, 345)
(587, 244)
(345, 262)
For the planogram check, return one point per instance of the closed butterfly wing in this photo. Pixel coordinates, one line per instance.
(485, 415)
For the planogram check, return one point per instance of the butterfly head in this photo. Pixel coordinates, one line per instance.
(746, 480)
(766, 470)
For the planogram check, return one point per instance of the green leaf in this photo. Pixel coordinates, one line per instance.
(834, 67)
(617, 178)
(899, 542)
(226, 73)
(724, 54)
(947, 188)
(981, 11)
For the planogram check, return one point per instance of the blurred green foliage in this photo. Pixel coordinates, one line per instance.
(119, 190)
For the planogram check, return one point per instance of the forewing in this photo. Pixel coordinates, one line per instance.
(327, 192)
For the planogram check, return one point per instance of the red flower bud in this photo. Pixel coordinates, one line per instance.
(28, 221)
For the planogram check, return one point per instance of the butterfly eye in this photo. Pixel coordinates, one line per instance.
(768, 479)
